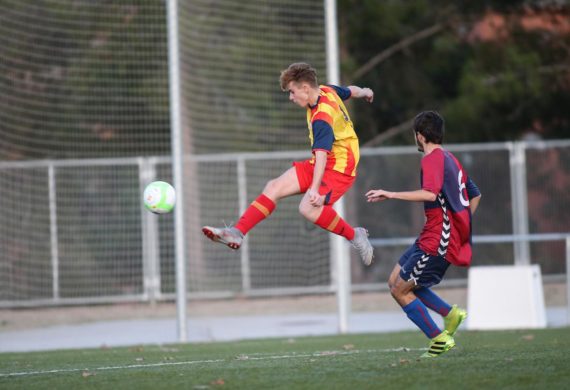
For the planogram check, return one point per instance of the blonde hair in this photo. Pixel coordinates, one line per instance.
(298, 72)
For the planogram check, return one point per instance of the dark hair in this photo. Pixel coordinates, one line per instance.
(298, 72)
(431, 125)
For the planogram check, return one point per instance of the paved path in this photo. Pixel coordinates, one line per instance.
(204, 329)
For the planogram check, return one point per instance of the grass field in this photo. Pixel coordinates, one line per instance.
(531, 359)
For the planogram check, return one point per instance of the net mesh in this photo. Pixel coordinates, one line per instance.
(78, 80)
(83, 79)
(84, 126)
(232, 54)
(84, 113)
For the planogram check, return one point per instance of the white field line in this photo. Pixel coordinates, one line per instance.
(212, 361)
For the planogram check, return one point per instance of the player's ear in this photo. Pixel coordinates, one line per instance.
(420, 137)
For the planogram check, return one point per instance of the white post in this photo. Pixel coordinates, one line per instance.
(519, 202)
(244, 252)
(340, 256)
(53, 232)
(568, 280)
(150, 235)
(177, 146)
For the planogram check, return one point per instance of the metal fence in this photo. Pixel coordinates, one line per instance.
(75, 232)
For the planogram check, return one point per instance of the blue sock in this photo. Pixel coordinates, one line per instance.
(433, 301)
(418, 313)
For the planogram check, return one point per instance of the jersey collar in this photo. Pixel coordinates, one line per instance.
(316, 104)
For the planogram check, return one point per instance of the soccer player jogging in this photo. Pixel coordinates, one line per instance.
(325, 177)
(450, 198)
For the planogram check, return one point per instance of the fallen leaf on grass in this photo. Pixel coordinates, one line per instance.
(218, 382)
(404, 361)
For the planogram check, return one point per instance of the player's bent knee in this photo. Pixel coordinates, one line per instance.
(398, 288)
(391, 282)
(394, 291)
(272, 188)
(306, 210)
(309, 212)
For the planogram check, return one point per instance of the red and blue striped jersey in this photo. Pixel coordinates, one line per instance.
(447, 231)
(331, 129)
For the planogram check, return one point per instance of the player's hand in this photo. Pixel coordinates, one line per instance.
(315, 199)
(377, 195)
(368, 95)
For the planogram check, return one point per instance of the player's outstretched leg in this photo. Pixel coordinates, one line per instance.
(440, 344)
(361, 243)
(453, 319)
(229, 236)
(257, 211)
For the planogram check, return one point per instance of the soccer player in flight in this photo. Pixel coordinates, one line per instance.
(325, 177)
(450, 198)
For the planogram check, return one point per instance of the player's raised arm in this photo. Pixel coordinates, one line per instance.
(412, 196)
(361, 93)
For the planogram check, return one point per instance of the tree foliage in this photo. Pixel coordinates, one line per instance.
(496, 70)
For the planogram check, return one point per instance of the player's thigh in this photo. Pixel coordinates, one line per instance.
(285, 185)
(394, 275)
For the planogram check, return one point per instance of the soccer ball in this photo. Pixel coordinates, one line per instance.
(159, 197)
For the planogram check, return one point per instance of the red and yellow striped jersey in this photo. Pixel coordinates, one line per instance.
(331, 129)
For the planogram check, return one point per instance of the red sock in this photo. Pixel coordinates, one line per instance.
(257, 211)
(331, 221)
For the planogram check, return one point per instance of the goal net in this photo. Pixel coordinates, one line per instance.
(84, 125)
(83, 95)
(231, 55)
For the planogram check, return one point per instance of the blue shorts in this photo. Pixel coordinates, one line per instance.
(425, 270)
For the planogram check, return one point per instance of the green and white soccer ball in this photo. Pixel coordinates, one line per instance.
(159, 197)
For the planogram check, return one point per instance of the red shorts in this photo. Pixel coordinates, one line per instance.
(333, 185)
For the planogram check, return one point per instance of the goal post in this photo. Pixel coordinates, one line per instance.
(99, 98)
(340, 256)
(230, 57)
(177, 167)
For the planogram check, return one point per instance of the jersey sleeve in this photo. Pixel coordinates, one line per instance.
(472, 189)
(342, 92)
(432, 173)
(323, 136)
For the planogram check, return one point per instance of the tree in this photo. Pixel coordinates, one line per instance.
(496, 70)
